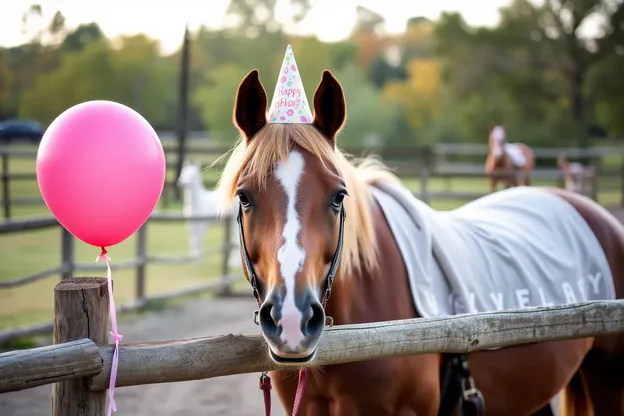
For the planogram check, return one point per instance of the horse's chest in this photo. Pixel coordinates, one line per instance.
(376, 387)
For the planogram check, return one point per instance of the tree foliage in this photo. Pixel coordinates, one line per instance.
(540, 71)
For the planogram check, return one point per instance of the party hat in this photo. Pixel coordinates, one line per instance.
(290, 104)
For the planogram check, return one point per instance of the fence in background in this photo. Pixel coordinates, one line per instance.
(79, 363)
(68, 265)
(442, 160)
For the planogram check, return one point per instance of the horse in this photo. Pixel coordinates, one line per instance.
(319, 239)
(505, 160)
(201, 202)
(573, 174)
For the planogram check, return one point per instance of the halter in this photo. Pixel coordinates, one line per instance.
(265, 381)
(331, 273)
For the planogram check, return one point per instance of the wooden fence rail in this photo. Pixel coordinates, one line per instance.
(79, 362)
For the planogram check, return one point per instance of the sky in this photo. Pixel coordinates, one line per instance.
(329, 20)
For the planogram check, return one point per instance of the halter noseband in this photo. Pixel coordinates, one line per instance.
(253, 277)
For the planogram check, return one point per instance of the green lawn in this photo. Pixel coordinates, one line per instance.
(28, 252)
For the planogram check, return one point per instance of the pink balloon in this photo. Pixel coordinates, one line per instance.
(101, 170)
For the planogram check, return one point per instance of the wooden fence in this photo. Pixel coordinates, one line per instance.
(443, 160)
(425, 163)
(79, 362)
(68, 265)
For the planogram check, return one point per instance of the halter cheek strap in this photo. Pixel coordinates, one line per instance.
(331, 273)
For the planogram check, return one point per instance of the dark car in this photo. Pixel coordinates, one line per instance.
(16, 130)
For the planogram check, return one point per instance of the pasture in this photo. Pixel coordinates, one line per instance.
(28, 252)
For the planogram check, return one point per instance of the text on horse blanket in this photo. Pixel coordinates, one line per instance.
(512, 249)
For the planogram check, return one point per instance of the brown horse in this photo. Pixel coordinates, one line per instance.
(573, 174)
(294, 187)
(505, 161)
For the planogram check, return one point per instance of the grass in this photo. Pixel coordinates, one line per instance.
(29, 252)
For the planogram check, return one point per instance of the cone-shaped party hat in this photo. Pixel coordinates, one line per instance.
(290, 104)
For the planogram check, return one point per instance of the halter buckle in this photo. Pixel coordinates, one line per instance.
(469, 389)
(256, 317)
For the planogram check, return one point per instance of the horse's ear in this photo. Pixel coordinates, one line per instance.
(330, 109)
(250, 105)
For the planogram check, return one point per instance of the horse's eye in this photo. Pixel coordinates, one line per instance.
(338, 199)
(242, 198)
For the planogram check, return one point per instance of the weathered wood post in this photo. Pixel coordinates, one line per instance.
(67, 253)
(226, 287)
(80, 311)
(141, 265)
(6, 185)
(425, 169)
(595, 167)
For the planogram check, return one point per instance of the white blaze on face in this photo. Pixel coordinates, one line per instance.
(291, 255)
(498, 135)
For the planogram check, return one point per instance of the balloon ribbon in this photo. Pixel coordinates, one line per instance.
(115, 333)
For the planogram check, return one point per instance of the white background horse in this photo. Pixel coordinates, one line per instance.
(199, 201)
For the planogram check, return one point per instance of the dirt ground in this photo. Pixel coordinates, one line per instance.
(233, 395)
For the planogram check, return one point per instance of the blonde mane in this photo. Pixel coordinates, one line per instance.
(273, 143)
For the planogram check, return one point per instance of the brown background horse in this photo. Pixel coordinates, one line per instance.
(499, 165)
(292, 184)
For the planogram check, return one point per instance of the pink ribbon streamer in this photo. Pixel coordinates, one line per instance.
(112, 407)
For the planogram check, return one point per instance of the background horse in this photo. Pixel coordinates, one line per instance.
(573, 174)
(293, 186)
(505, 160)
(201, 202)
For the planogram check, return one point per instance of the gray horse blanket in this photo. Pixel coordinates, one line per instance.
(516, 248)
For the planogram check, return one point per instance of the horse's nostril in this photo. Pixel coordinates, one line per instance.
(268, 319)
(314, 319)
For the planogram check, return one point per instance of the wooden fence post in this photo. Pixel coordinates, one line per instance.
(165, 194)
(67, 254)
(226, 287)
(6, 186)
(427, 163)
(80, 311)
(142, 264)
(622, 183)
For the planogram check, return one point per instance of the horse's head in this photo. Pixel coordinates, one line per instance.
(291, 190)
(190, 174)
(497, 141)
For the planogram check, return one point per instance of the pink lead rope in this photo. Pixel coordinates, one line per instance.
(112, 407)
(265, 386)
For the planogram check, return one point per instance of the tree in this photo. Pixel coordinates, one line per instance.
(258, 17)
(6, 83)
(80, 37)
(368, 36)
(606, 87)
(561, 22)
(82, 76)
(144, 80)
(367, 114)
(215, 101)
(419, 96)
(134, 74)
